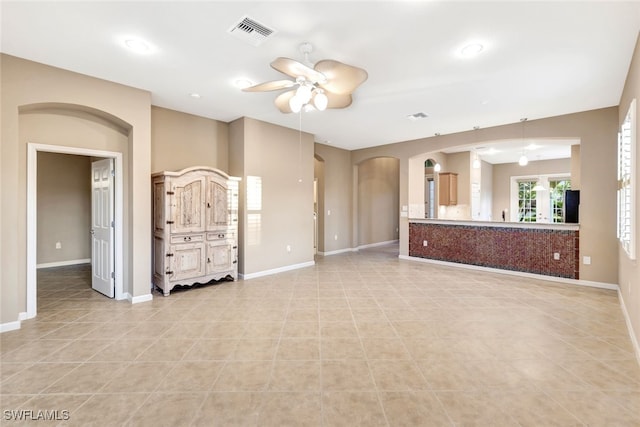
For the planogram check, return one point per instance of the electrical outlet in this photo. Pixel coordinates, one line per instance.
(556, 256)
(586, 260)
(335, 237)
(425, 243)
(58, 245)
(289, 248)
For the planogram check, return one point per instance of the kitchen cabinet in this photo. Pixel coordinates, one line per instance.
(448, 188)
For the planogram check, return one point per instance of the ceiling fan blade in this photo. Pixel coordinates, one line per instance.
(268, 86)
(282, 101)
(341, 78)
(295, 69)
(337, 100)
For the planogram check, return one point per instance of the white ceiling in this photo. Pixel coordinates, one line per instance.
(540, 59)
(510, 150)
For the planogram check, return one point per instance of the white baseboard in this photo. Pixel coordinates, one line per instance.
(9, 326)
(15, 325)
(373, 245)
(601, 285)
(276, 270)
(632, 335)
(370, 245)
(336, 252)
(139, 298)
(64, 263)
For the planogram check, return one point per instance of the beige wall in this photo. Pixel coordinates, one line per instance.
(283, 159)
(378, 200)
(486, 193)
(33, 87)
(597, 131)
(64, 207)
(575, 167)
(629, 271)
(181, 140)
(502, 174)
(337, 198)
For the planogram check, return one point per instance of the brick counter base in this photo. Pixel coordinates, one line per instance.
(529, 250)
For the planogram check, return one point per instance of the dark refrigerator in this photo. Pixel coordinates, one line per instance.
(571, 206)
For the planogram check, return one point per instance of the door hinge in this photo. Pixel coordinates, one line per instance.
(113, 224)
(113, 275)
(170, 193)
(113, 173)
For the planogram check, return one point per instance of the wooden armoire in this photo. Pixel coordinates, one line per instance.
(194, 227)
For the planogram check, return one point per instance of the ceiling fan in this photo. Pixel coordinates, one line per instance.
(327, 84)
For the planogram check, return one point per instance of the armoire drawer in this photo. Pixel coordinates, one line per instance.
(221, 235)
(189, 238)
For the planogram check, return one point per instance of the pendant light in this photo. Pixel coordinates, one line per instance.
(476, 160)
(523, 161)
(538, 186)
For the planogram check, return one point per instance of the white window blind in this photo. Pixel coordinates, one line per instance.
(626, 182)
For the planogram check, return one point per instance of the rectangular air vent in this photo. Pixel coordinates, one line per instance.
(251, 31)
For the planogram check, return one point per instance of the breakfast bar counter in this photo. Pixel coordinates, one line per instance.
(546, 249)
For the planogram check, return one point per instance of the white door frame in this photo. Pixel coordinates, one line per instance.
(32, 179)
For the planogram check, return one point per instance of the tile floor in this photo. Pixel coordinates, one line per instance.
(359, 339)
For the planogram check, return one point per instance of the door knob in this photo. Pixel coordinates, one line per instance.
(92, 231)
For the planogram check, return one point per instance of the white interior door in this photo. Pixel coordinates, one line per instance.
(102, 227)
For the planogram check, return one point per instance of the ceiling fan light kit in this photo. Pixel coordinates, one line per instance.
(329, 84)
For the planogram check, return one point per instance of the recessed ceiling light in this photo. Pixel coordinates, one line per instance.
(242, 83)
(472, 49)
(195, 95)
(137, 45)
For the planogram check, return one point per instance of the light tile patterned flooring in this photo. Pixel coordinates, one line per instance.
(359, 339)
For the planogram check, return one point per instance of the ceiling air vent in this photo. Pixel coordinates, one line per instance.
(417, 116)
(251, 31)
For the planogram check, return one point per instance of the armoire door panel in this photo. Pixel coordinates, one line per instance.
(187, 261)
(187, 215)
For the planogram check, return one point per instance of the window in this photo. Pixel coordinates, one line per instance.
(527, 201)
(626, 180)
(539, 198)
(557, 188)
(254, 208)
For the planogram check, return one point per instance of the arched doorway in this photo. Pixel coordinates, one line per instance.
(377, 201)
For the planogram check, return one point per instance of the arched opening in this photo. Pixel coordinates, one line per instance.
(378, 200)
(84, 134)
(431, 169)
